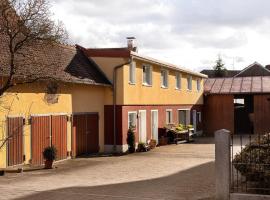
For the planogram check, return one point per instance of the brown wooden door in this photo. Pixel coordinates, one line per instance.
(15, 140)
(85, 138)
(40, 137)
(59, 135)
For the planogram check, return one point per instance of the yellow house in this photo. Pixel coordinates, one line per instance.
(148, 95)
(87, 100)
(64, 108)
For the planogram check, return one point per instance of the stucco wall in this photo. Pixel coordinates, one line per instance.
(90, 99)
(138, 94)
(107, 64)
(29, 100)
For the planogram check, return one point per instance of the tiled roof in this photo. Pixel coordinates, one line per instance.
(237, 85)
(57, 61)
(255, 69)
(211, 73)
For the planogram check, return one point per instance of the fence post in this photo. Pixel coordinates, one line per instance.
(222, 164)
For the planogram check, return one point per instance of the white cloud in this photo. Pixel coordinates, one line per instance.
(189, 33)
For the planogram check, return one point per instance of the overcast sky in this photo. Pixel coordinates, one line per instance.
(189, 33)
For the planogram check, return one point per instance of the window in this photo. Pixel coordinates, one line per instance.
(169, 117)
(184, 117)
(147, 75)
(164, 78)
(189, 83)
(198, 84)
(132, 119)
(132, 72)
(178, 81)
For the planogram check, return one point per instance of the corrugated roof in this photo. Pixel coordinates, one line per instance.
(237, 85)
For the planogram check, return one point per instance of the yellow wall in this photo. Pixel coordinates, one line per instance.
(107, 64)
(90, 99)
(139, 94)
(28, 100)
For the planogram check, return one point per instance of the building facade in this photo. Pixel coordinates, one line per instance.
(149, 94)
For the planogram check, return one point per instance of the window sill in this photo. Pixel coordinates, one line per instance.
(178, 89)
(130, 83)
(146, 85)
(189, 90)
(164, 87)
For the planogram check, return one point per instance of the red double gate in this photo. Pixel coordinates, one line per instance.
(85, 134)
(15, 140)
(47, 131)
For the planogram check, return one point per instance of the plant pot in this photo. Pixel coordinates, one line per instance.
(131, 149)
(48, 164)
(2, 172)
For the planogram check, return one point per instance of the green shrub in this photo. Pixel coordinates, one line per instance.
(253, 161)
(49, 153)
(131, 140)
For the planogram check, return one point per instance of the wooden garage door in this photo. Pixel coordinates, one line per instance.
(85, 134)
(40, 137)
(47, 131)
(15, 141)
(59, 135)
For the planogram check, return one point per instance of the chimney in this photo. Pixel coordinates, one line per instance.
(131, 44)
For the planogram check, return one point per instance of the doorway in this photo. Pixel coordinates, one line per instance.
(142, 126)
(243, 114)
(154, 124)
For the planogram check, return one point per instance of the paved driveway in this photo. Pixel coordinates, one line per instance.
(184, 171)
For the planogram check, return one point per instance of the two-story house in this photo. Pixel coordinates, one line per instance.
(147, 94)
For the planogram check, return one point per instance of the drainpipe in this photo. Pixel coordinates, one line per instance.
(114, 103)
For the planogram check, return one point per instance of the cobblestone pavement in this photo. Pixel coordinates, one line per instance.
(184, 171)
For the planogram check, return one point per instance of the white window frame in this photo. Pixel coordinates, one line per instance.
(136, 113)
(189, 83)
(171, 116)
(132, 72)
(178, 76)
(198, 84)
(143, 82)
(166, 78)
(187, 115)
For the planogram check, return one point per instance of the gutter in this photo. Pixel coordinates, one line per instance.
(114, 102)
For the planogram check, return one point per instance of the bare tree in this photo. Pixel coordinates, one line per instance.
(24, 24)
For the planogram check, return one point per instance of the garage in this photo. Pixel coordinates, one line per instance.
(85, 134)
(48, 130)
(15, 142)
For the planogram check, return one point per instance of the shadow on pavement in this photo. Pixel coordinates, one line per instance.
(194, 183)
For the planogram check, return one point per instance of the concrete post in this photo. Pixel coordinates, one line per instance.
(222, 164)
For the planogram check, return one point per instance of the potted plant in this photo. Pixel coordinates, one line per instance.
(2, 172)
(131, 140)
(152, 144)
(49, 155)
(142, 147)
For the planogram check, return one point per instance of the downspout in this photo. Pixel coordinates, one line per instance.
(114, 103)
